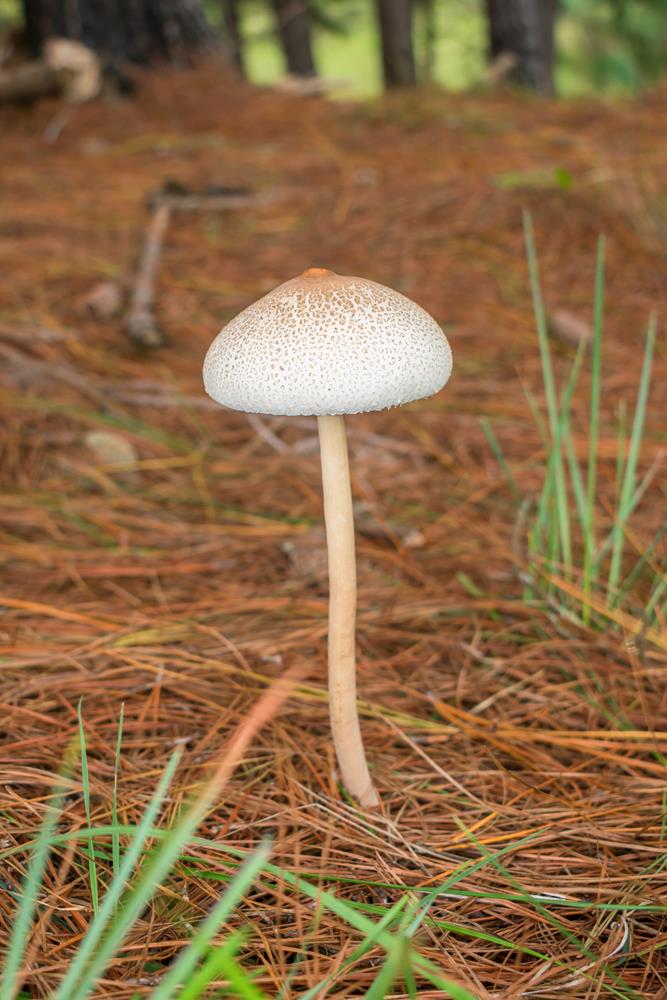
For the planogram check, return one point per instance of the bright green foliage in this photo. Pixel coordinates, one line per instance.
(601, 45)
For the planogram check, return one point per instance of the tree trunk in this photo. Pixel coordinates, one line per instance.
(398, 60)
(233, 43)
(428, 63)
(120, 31)
(294, 29)
(525, 30)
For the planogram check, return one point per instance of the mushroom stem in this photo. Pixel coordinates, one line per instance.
(339, 523)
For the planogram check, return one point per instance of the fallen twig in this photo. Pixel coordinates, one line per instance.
(141, 324)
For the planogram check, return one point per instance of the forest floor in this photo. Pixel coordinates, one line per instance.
(184, 581)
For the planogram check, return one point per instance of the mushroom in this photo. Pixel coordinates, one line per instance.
(325, 345)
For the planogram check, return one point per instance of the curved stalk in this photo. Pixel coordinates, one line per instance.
(339, 525)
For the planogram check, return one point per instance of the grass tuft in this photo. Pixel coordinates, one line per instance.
(563, 562)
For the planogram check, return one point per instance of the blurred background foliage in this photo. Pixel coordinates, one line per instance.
(612, 46)
(609, 47)
(604, 46)
(350, 54)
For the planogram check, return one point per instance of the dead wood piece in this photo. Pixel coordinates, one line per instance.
(216, 197)
(67, 68)
(27, 81)
(78, 69)
(140, 324)
(208, 203)
(141, 327)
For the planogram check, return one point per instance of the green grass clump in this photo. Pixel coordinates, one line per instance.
(594, 579)
(213, 953)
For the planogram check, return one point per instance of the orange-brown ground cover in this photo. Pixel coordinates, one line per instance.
(183, 587)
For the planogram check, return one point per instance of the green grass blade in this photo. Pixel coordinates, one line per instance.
(500, 458)
(628, 486)
(85, 782)
(371, 939)
(621, 446)
(82, 972)
(367, 927)
(420, 914)
(593, 434)
(582, 948)
(534, 408)
(565, 438)
(115, 840)
(201, 941)
(221, 961)
(559, 528)
(20, 934)
(410, 984)
(636, 499)
(477, 935)
(536, 538)
(577, 482)
(239, 981)
(397, 961)
(30, 889)
(137, 898)
(203, 977)
(662, 613)
(301, 882)
(541, 323)
(658, 590)
(637, 569)
(549, 525)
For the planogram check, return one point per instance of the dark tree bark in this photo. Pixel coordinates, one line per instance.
(233, 43)
(294, 29)
(525, 30)
(398, 60)
(120, 31)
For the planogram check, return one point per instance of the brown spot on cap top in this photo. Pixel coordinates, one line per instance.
(317, 272)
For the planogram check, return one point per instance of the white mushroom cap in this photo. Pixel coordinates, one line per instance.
(325, 343)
